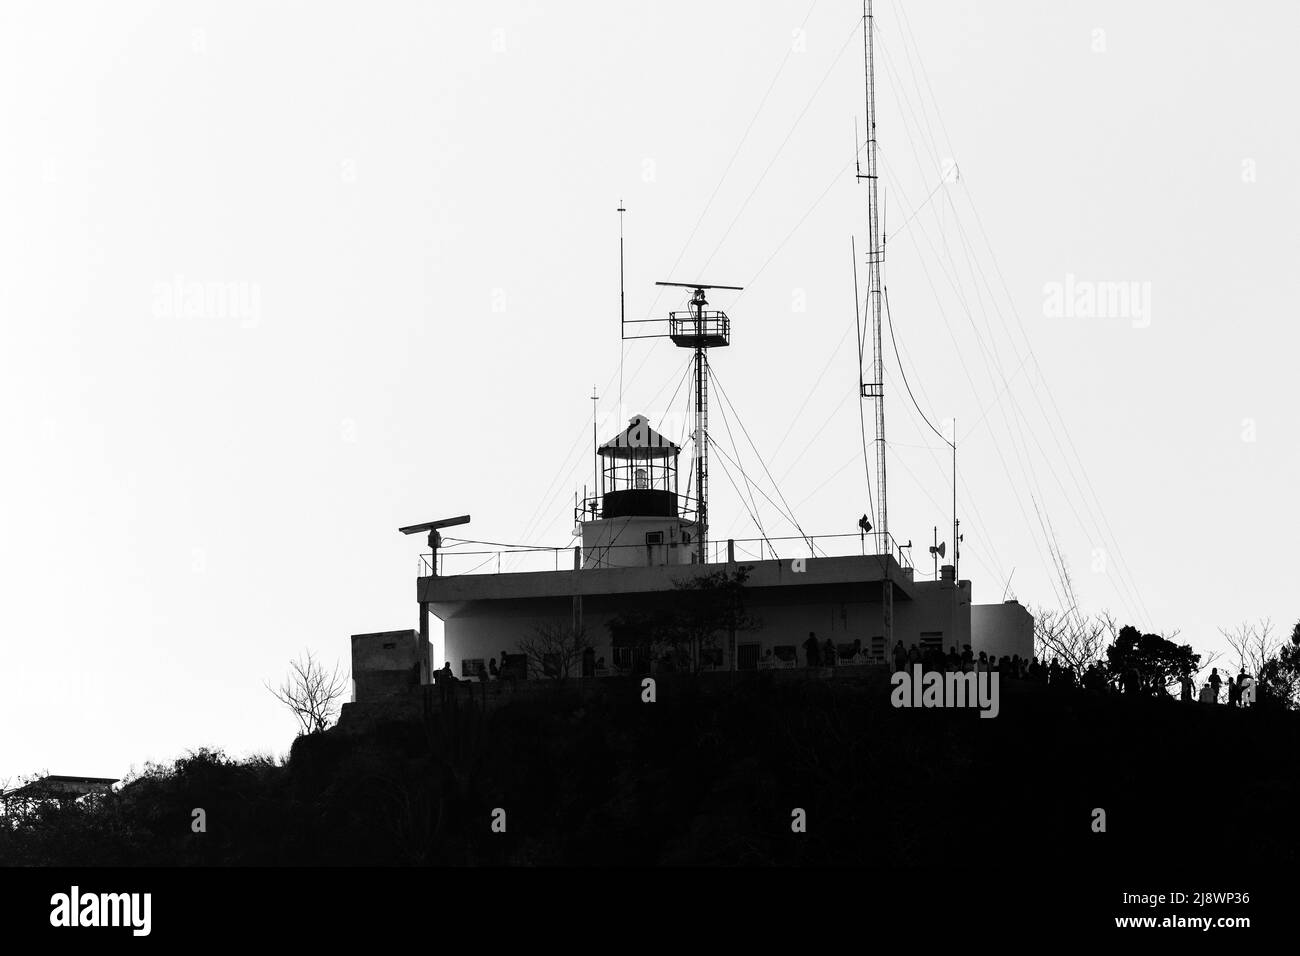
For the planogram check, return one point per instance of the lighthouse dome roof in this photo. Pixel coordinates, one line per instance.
(639, 440)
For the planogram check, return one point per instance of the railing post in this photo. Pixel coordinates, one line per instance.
(731, 550)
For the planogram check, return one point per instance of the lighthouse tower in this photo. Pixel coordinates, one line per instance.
(637, 518)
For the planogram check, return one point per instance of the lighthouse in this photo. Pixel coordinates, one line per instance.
(637, 518)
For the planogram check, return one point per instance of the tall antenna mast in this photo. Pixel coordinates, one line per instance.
(874, 387)
(622, 303)
(595, 444)
(700, 329)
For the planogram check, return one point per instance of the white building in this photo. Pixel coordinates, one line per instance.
(638, 549)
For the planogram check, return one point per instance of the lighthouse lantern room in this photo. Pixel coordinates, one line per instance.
(637, 517)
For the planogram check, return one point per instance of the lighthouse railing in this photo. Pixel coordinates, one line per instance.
(456, 559)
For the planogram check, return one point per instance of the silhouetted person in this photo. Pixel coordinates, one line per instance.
(900, 657)
(812, 651)
(967, 659)
(1215, 682)
(1094, 678)
(588, 662)
(1234, 693)
(492, 667)
(828, 652)
(954, 659)
(1185, 688)
(482, 673)
(1242, 677)
(446, 681)
(913, 656)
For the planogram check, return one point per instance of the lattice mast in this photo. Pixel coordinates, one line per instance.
(700, 329)
(874, 385)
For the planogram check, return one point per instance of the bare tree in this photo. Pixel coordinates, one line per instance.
(1274, 662)
(1074, 639)
(703, 609)
(1253, 644)
(311, 692)
(554, 650)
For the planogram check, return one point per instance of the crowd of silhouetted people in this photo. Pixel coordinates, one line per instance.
(1095, 677)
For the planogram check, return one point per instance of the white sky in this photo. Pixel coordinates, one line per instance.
(192, 498)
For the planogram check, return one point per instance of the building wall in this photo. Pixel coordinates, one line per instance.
(621, 542)
(388, 662)
(1002, 629)
(843, 613)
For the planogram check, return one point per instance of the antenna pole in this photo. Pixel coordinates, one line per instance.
(701, 425)
(956, 541)
(874, 387)
(595, 445)
(700, 330)
(622, 304)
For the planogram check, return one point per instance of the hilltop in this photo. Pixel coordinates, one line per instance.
(710, 773)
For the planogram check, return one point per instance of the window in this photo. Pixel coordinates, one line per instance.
(878, 648)
(469, 666)
(634, 658)
(654, 537)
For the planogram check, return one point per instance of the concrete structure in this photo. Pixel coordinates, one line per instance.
(387, 663)
(52, 788)
(642, 540)
(1005, 629)
(637, 517)
(837, 598)
(637, 555)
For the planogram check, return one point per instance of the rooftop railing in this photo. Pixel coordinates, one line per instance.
(456, 557)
